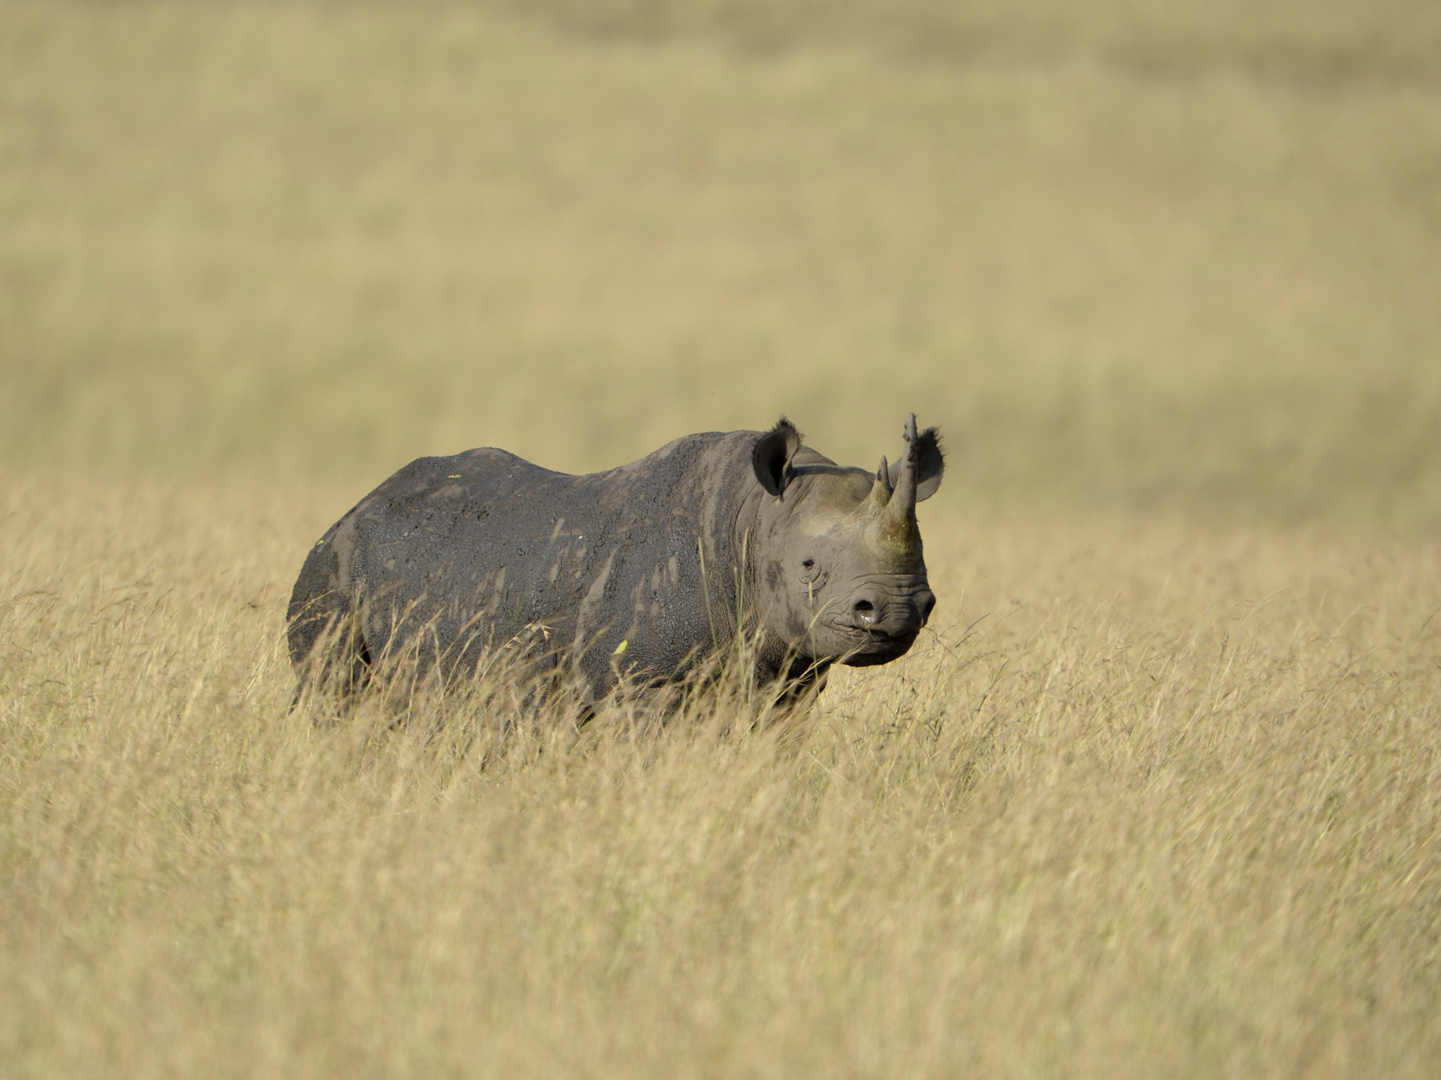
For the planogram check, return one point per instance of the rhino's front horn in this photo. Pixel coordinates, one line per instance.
(902, 505)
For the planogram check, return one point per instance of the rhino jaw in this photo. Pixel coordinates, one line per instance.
(888, 624)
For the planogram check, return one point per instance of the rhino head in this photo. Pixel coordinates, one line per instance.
(839, 566)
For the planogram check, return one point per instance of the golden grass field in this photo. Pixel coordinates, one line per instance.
(1160, 795)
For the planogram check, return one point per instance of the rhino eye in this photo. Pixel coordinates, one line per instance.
(808, 563)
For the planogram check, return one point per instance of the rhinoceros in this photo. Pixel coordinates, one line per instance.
(638, 572)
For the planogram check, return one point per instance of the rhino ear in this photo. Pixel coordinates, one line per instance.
(772, 456)
(930, 464)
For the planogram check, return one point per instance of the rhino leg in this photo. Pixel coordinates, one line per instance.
(803, 681)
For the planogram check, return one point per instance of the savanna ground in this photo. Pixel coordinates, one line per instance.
(1159, 796)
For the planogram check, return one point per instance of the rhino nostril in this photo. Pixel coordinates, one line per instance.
(927, 604)
(865, 612)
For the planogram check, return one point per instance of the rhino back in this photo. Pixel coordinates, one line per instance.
(453, 554)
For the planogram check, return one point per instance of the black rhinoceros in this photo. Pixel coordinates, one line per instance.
(640, 571)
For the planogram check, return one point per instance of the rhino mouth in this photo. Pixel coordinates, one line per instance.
(877, 629)
(878, 646)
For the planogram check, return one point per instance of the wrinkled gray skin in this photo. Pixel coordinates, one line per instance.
(670, 556)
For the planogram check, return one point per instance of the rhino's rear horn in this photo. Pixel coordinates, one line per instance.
(772, 456)
(881, 489)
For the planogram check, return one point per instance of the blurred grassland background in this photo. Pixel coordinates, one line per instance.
(1179, 251)
(1159, 793)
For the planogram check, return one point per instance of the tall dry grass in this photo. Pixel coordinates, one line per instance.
(1157, 796)
(1146, 801)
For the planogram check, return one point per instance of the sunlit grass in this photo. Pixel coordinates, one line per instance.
(1159, 793)
(1146, 799)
